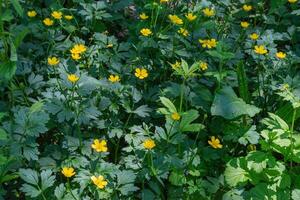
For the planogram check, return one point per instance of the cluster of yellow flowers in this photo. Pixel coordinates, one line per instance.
(209, 43)
(48, 21)
(77, 50)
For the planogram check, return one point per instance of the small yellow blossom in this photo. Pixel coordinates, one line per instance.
(183, 32)
(68, 17)
(110, 45)
(99, 181)
(68, 171)
(210, 43)
(176, 65)
(73, 78)
(254, 36)
(280, 55)
(53, 60)
(247, 8)
(31, 13)
(99, 145)
(292, 1)
(164, 1)
(175, 116)
(48, 22)
(244, 24)
(146, 32)
(141, 73)
(56, 14)
(143, 16)
(175, 19)
(208, 12)
(149, 144)
(203, 66)
(215, 143)
(251, 147)
(260, 49)
(114, 78)
(78, 49)
(76, 56)
(191, 16)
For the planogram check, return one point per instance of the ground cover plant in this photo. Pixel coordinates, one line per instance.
(150, 99)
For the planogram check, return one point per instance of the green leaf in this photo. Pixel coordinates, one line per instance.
(296, 194)
(29, 176)
(47, 179)
(167, 103)
(186, 124)
(3, 134)
(243, 83)
(17, 6)
(142, 111)
(30, 190)
(234, 174)
(177, 178)
(60, 191)
(20, 36)
(229, 106)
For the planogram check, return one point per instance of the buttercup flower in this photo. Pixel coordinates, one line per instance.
(183, 32)
(149, 144)
(210, 43)
(260, 49)
(68, 17)
(146, 32)
(99, 145)
(208, 12)
(78, 49)
(175, 19)
(244, 24)
(53, 60)
(99, 181)
(68, 171)
(190, 16)
(31, 13)
(114, 78)
(176, 65)
(143, 16)
(292, 1)
(73, 78)
(141, 73)
(164, 1)
(175, 116)
(203, 66)
(76, 56)
(247, 8)
(215, 143)
(254, 36)
(48, 22)
(280, 55)
(56, 14)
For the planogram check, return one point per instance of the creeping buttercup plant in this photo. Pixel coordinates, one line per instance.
(149, 99)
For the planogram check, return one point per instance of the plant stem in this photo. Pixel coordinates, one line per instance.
(181, 95)
(291, 137)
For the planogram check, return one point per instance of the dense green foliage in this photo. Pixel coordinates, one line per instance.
(150, 99)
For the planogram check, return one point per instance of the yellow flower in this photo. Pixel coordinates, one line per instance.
(99, 145)
(53, 61)
(56, 14)
(247, 8)
(164, 1)
(280, 55)
(48, 22)
(143, 16)
(73, 78)
(203, 66)
(176, 65)
(76, 56)
(251, 147)
(190, 16)
(78, 49)
(244, 24)
(208, 12)
(68, 17)
(141, 73)
(260, 49)
(183, 32)
(149, 144)
(110, 45)
(175, 19)
(146, 32)
(31, 13)
(99, 181)
(292, 1)
(114, 78)
(175, 116)
(215, 143)
(254, 36)
(68, 171)
(210, 43)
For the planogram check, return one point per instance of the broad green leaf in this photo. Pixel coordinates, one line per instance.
(229, 106)
(47, 179)
(177, 178)
(234, 174)
(167, 103)
(296, 194)
(243, 83)
(17, 6)
(3, 134)
(186, 124)
(29, 176)
(60, 191)
(30, 190)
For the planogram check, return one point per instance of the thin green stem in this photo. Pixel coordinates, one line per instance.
(291, 137)
(181, 95)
